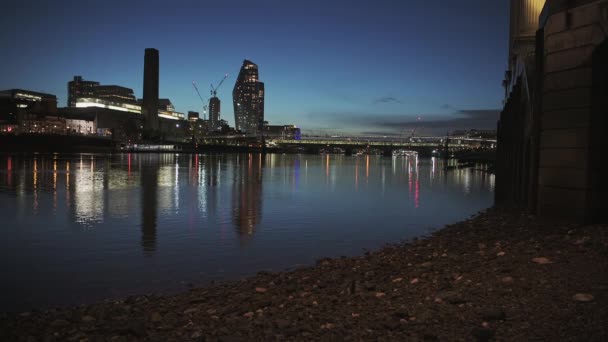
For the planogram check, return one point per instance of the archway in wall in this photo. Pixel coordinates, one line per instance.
(598, 168)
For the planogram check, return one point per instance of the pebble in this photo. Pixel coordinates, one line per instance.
(542, 260)
(156, 317)
(507, 280)
(414, 281)
(380, 294)
(260, 289)
(583, 297)
(88, 318)
(190, 311)
(327, 326)
(282, 323)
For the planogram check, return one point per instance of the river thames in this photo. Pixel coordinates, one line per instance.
(84, 228)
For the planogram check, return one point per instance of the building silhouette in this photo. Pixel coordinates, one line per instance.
(248, 98)
(151, 80)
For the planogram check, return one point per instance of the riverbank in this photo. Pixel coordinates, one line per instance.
(499, 275)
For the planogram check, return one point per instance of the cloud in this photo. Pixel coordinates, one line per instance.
(380, 133)
(386, 99)
(387, 124)
(462, 119)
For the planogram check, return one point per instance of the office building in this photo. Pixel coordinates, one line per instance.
(115, 94)
(248, 99)
(193, 116)
(79, 88)
(214, 112)
(82, 94)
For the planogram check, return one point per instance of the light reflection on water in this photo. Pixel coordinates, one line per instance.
(80, 228)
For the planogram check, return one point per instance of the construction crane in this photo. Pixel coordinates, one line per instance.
(205, 106)
(416, 127)
(214, 89)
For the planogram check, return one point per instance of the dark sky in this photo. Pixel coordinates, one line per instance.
(328, 66)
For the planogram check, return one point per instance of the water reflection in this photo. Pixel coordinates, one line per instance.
(149, 201)
(223, 192)
(247, 193)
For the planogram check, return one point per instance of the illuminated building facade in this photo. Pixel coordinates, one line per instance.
(114, 93)
(20, 109)
(248, 98)
(83, 94)
(79, 88)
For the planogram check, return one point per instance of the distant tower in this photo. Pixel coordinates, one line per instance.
(214, 112)
(150, 101)
(248, 98)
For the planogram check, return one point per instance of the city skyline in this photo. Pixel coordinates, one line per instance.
(320, 67)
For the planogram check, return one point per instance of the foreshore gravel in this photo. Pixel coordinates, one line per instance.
(501, 275)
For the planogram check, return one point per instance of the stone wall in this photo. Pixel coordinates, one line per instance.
(551, 150)
(570, 39)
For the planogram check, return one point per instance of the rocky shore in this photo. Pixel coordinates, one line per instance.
(497, 276)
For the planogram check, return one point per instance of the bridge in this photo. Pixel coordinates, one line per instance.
(351, 145)
(423, 145)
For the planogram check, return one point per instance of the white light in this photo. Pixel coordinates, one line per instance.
(176, 125)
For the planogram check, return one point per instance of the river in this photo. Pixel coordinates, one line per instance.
(83, 228)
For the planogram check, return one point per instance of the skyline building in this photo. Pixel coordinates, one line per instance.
(151, 81)
(214, 112)
(80, 88)
(193, 116)
(248, 100)
(114, 93)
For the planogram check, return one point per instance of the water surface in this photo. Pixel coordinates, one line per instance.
(82, 228)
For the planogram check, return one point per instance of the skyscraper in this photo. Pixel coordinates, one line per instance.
(150, 101)
(214, 112)
(248, 98)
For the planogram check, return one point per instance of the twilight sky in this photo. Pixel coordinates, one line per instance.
(331, 66)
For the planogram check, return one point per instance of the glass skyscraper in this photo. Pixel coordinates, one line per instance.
(248, 98)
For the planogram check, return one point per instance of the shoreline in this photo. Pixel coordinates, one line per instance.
(500, 275)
